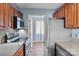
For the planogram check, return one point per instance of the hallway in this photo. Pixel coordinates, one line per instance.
(38, 49)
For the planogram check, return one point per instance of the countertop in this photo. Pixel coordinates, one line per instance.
(71, 46)
(9, 49)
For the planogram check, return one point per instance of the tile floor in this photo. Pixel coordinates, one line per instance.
(38, 49)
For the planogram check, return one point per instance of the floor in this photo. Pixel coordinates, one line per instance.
(38, 49)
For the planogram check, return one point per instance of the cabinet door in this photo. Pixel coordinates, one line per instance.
(1, 16)
(74, 15)
(77, 14)
(10, 15)
(20, 52)
(15, 12)
(55, 15)
(6, 15)
(59, 13)
(70, 15)
(12, 21)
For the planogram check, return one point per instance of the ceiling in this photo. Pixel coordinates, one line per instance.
(39, 5)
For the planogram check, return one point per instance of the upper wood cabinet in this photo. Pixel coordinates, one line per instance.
(17, 13)
(7, 11)
(55, 15)
(69, 12)
(20, 15)
(77, 11)
(70, 16)
(59, 13)
(10, 16)
(1, 16)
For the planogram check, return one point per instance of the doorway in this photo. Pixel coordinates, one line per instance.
(39, 31)
(38, 28)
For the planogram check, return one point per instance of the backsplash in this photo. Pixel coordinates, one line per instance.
(75, 33)
(23, 33)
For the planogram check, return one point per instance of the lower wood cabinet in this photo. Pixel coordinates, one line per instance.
(20, 52)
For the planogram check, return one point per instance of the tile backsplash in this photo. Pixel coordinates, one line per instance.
(75, 33)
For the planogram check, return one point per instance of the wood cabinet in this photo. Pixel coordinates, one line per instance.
(20, 15)
(17, 13)
(20, 52)
(10, 16)
(59, 13)
(1, 16)
(55, 15)
(77, 11)
(70, 15)
(7, 11)
(6, 15)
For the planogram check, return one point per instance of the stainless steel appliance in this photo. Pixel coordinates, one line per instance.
(18, 22)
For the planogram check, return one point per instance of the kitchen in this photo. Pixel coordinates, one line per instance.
(29, 29)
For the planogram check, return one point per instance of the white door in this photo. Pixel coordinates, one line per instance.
(39, 33)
